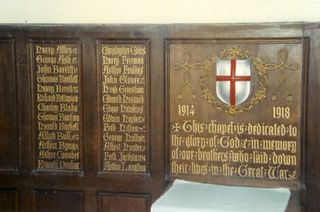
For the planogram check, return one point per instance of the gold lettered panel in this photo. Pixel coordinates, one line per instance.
(114, 202)
(9, 200)
(57, 201)
(123, 86)
(9, 153)
(57, 120)
(235, 110)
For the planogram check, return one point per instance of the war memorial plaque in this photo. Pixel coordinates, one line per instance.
(123, 81)
(103, 117)
(235, 109)
(56, 80)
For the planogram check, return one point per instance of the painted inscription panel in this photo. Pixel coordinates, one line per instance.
(123, 76)
(56, 79)
(235, 109)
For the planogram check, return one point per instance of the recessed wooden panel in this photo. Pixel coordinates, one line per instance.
(56, 74)
(313, 125)
(8, 200)
(8, 108)
(217, 91)
(123, 105)
(110, 202)
(57, 201)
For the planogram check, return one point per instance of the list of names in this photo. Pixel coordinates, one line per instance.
(123, 89)
(57, 106)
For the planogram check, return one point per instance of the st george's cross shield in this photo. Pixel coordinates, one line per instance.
(233, 78)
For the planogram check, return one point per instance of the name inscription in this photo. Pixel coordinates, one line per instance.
(56, 80)
(123, 106)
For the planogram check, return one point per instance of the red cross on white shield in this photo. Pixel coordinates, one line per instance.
(233, 81)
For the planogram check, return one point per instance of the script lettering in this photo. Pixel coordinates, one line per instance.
(230, 116)
(57, 110)
(123, 89)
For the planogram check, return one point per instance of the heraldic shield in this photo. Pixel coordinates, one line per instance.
(233, 80)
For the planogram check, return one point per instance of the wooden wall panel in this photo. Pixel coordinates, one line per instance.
(313, 191)
(8, 200)
(312, 155)
(117, 202)
(57, 201)
(91, 188)
(123, 74)
(57, 118)
(8, 107)
(197, 115)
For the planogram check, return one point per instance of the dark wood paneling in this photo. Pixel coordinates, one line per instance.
(117, 202)
(127, 192)
(57, 201)
(312, 155)
(190, 78)
(8, 108)
(8, 200)
(313, 192)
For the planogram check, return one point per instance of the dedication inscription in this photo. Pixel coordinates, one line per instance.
(123, 100)
(235, 109)
(56, 95)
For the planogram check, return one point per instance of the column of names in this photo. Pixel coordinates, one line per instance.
(57, 106)
(123, 83)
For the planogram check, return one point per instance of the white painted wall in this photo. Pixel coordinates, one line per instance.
(158, 11)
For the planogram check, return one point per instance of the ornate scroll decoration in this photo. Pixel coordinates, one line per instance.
(186, 67)
(234, 53)
(282, 66)
(260, 69)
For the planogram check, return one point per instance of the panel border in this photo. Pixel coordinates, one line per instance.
(54, 40)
